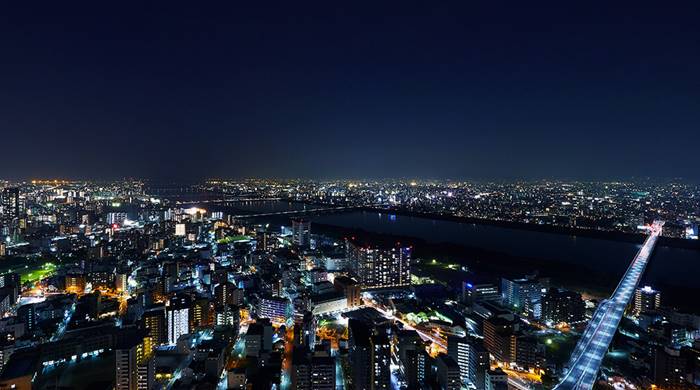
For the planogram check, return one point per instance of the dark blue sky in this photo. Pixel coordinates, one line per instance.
(377, 89)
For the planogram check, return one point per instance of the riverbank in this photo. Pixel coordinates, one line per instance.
(564, 230)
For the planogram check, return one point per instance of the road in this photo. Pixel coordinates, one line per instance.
(591, 349)
(438, 341)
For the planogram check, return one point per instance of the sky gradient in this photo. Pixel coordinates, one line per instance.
(481, 90)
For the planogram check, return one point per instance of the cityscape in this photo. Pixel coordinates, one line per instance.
(231, 284)
(349, 196)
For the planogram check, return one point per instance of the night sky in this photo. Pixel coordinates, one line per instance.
(464, 90)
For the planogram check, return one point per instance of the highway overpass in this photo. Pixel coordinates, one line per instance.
(591, 348)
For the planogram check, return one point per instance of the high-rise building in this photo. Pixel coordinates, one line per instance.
(350, 288)
(178, 317)
(301, 233)
(448, 373)
(523, 295)
(274, 308)
(560, 305)
(134, 363)
(259, 337)
(425, 367)
(369, 355)
(27, 315)
(9, 207)
(75, 282)
(380, 266)
(407, 346)
(499, 332)
(669, 369)
(154, 321)
(228, 315)
(472, 358)
(201, 313)
(223, 293)
(121, 281)
(116, 218)
(480, 292)
(646, 299)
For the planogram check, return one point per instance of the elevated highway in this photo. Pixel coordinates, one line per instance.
(591, 348)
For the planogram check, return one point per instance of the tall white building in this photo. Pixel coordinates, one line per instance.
(178, 318)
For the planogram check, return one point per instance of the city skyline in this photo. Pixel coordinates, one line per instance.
(349, 196)
(457, 91)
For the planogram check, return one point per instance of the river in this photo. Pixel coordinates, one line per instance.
(675, 271)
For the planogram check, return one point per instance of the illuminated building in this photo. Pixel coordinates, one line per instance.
(223, 293)
(6, 349)
(135, 367)
(274, 308)
(9, 207)
(669, 369)
(101, 279)
(154, 321)
(369, 355)
(498, 337)
(448, 373)
(75, 282)
(228, 315)
(301, 233)
(424, 364)
(27, 315)
(645, 299)
(258, 338)
(472, 358)
(375, 267)
(180, 230)
(523, 295)
(407, 346)
(560, 305)
(312, 371)
(478, 292)
(117, 218)
(201, 313)
(178, 317)
(121, 282)
(305, 330)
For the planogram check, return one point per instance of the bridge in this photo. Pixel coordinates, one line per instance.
(591, 348)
